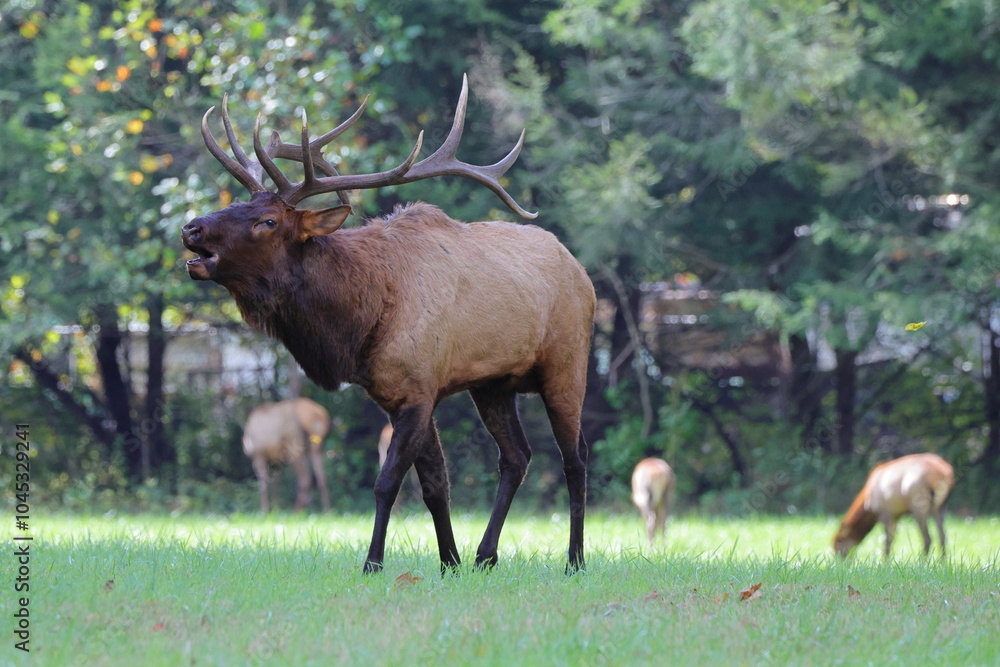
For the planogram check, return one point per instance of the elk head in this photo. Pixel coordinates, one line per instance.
(251, 242)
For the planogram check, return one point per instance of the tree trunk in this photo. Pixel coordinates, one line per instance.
(804, 392)
(598, 414)
(629, 300)
(626, 297)
(156, 451)
(116, 397)
(847, 390)
(730, 438)
(991, 382)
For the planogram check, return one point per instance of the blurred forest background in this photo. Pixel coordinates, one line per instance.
(765, 194)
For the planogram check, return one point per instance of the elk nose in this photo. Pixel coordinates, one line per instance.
(192, 230)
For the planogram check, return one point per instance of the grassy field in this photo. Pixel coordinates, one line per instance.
(288, 590)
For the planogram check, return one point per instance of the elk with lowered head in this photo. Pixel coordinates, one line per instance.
(917, 484)
(413, 307)
(653, 483)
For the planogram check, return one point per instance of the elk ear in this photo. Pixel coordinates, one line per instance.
(321, 223)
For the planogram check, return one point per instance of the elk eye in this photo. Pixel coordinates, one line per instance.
(270, 223)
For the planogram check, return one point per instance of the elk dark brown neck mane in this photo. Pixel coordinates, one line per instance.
(413, 307)
(332, 326)
(329, 326)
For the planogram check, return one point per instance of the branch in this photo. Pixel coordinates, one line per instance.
(633, 331)
(739, 463)
(50, 381)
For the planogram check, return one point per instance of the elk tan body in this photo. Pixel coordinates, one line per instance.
(917, 484)
(653, 483)
(289, 432)
(413, 307)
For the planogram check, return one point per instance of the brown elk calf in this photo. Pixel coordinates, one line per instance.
(289, 432)
(917, 484)
(412, 307)
(653, 485)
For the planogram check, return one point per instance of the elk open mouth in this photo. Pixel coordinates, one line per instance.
(203, 266)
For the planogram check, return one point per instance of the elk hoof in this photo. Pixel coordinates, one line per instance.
(487, 562)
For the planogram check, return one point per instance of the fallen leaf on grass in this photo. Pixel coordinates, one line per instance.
(651, 596)
(853, 592)
(751, 593)
(158, 627)
(718, 600)
(406, 579)
(914, 326)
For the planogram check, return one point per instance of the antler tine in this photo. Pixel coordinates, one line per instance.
(444, 160)
(315, 148)
(280, 180)
(294, 151)
(448, 150)
(250, 165)
(240, 171)
(307, 156)
(318, 186)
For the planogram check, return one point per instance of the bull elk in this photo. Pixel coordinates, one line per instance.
(653, 484)
(289, 432)
(917, 484)
(413, 307)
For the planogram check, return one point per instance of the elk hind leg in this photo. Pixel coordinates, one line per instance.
(661, 517)
(497, 408)
(650, 516)
(939, 520)
(920, 508)
(564, 404)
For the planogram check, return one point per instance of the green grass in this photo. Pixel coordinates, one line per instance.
(288, 590)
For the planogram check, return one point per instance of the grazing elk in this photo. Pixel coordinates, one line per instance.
(653, 485)
(413, 307)
(917, 484)
(289, 431)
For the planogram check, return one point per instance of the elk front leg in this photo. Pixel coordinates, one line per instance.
(436, 490)
(411, 427)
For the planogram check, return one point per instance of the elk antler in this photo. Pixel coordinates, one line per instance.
(442, 162)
